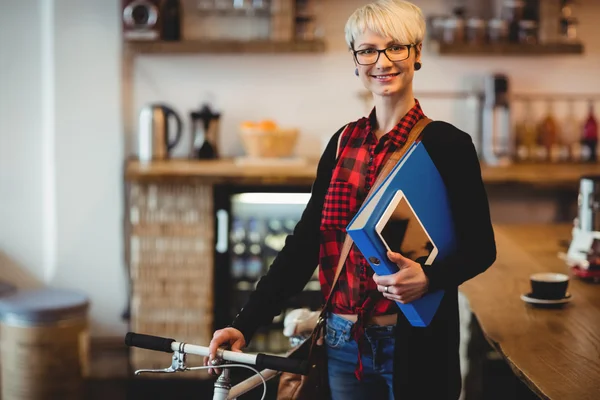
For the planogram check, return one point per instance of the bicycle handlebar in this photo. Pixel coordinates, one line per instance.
(149, 342)
(282, 364)
(260, 360)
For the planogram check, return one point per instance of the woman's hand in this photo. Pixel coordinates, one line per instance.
(227, 336)
(406, 285)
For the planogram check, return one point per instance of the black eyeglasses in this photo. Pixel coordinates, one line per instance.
(396, 52)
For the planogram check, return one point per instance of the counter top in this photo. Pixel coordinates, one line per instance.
(555, 351)
(281, 172)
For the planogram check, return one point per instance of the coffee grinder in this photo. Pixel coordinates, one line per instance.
(496, 141)
(583, 255)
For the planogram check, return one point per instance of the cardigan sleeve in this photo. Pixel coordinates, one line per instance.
(455, 157)
(297, 260)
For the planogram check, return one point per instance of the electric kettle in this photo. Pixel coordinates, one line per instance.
(155, 138)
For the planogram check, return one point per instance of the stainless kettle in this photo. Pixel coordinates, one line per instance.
(155, 140)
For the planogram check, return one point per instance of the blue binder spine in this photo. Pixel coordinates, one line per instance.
(422, 185)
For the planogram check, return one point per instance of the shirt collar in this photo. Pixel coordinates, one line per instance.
(399, 133)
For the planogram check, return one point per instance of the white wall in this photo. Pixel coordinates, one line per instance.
(65, 225)
(61, 149)
(21, 153)
(89, 154)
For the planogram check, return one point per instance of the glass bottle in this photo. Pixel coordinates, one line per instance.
(238, 245)
(589, 140)
(570, 135)
(526, 131)
(568, 23)
(254, 264)
(548, 135)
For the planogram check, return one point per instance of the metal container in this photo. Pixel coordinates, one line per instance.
(588, 202)
(476, 31)
(44, 347)
(498, 31)
(454, 30)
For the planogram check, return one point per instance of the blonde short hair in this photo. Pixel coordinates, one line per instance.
(400, 20)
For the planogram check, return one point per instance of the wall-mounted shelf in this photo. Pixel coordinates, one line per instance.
(506, 49)
(226, 171)
(225, 46)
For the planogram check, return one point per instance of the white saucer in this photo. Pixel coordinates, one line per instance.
(532, 300)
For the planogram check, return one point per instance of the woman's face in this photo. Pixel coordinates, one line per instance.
(385, 77)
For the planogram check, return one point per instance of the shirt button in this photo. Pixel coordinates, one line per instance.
(371, 161)
(367, 186)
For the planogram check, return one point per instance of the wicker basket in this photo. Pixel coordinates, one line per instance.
(262, 143)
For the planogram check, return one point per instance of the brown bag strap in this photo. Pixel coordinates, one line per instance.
(413, 136)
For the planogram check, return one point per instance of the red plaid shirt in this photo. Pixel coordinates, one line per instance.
(361, 157)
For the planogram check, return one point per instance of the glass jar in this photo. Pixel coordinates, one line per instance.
(528, 32)
(454, 30)
(436, 27)
(498, 31)
(512, 10)
(476, 31)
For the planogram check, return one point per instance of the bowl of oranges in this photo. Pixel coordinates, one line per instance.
(266, 139)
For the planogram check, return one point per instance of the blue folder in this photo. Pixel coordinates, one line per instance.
(410, 214)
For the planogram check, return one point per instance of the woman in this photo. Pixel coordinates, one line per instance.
(380, 355)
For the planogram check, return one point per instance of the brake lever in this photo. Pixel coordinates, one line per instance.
(177, 365)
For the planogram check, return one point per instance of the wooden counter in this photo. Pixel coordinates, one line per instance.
(555, 351)
(224, 170)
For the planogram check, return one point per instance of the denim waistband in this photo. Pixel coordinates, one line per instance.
(341, 324)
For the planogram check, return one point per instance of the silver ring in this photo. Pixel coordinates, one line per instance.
(386, 289)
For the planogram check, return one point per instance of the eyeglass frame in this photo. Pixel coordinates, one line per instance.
(384, 52)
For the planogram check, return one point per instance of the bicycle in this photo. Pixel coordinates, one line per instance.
(270, 365)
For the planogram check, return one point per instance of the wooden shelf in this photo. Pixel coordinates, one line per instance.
(506, 49)
(226, 170)
(225, 46)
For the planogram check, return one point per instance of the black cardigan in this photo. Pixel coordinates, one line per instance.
(426, 359)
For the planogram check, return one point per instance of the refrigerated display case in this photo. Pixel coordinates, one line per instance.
(251, 225)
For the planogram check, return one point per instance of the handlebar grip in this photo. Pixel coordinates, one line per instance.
(284, 364)
(149, 342)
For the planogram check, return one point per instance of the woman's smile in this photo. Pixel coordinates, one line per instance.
(385, 78)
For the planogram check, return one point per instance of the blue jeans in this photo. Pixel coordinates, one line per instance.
(342, 357)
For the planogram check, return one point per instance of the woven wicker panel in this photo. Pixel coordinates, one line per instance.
(171, 242)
